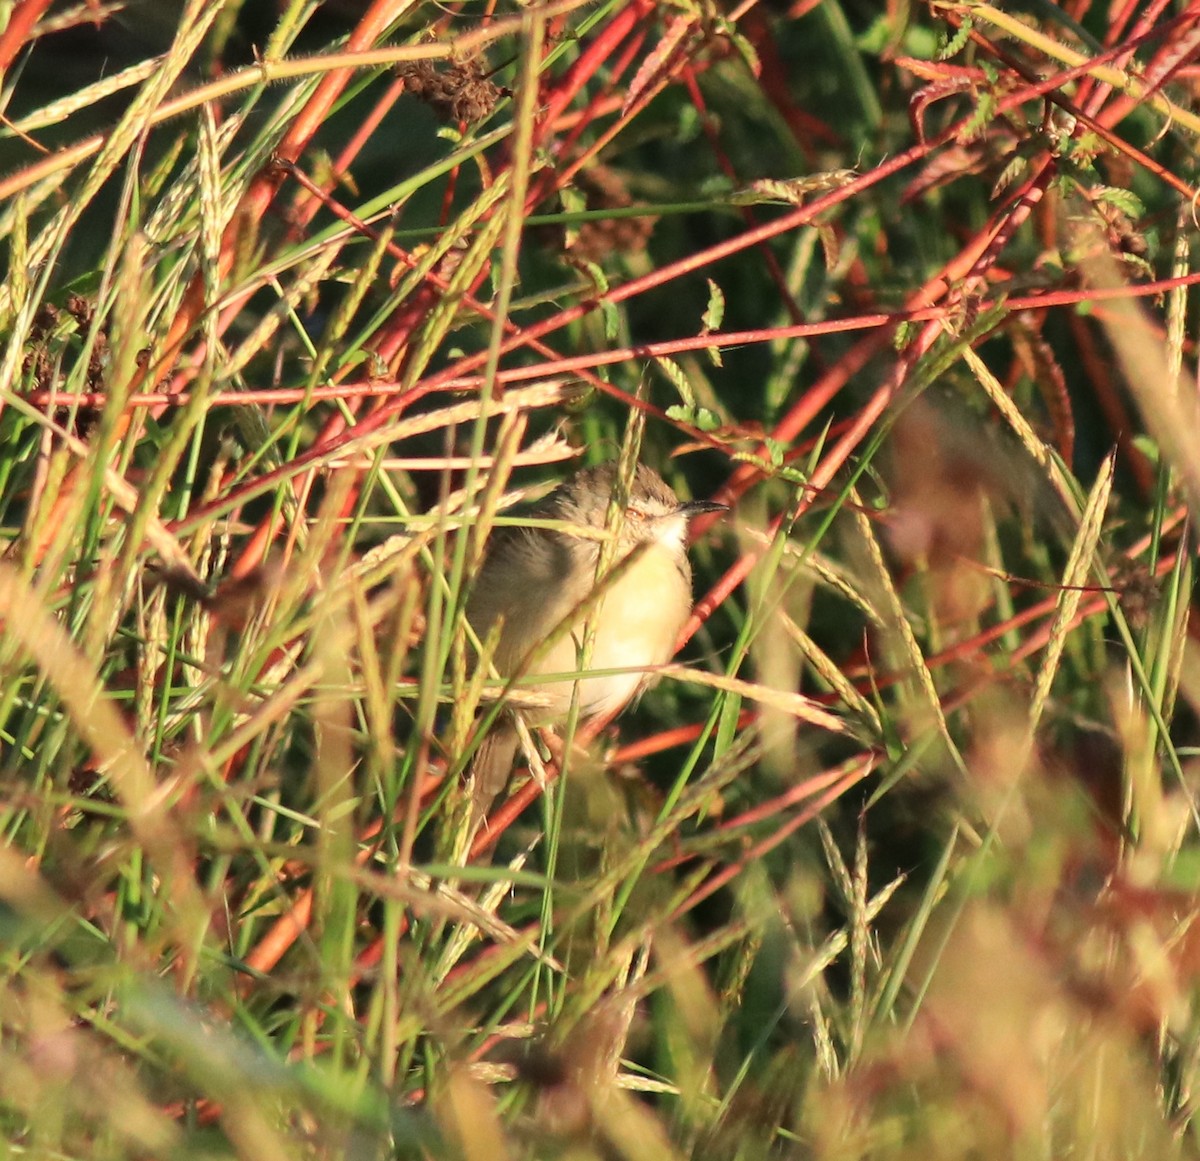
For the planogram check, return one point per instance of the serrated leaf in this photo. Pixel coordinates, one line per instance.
(711, 320)
(595, 273)
(1125, 200)
(608, 310)
(612, 319)
(758, 192)
(1013, 169)
(744, 48)
(792, 191)
(975, 124)
(679, 380)
(958, 41)
(714, 314)
(573, 202)
(654, 66)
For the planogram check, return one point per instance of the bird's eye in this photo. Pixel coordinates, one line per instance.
(634, 514)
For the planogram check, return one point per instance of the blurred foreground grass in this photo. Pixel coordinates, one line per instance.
(901, 859)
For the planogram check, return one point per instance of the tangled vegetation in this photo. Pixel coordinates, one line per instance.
(899, 858)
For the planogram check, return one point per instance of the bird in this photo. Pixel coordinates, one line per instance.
(536, 580)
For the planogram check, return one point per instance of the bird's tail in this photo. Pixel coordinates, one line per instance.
(491, 766)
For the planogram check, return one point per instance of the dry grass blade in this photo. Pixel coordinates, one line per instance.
(1080, 565)
(905, 649)
(1041, 452)
(1168, 404)
(795, 705)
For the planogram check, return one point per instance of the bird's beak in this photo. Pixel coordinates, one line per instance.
(696, 507)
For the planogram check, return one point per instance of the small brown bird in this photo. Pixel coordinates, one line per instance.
(534, 580)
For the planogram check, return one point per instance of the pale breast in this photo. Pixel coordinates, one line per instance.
(637, 625)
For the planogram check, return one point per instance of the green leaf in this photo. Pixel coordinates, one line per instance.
(679, 380)
(956, 43)
(612, 319)
(715, 312)
(1125, 200)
